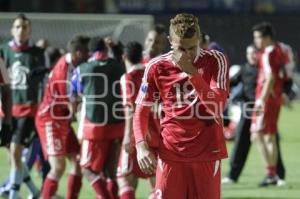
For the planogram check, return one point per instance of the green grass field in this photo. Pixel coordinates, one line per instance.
(253, 172)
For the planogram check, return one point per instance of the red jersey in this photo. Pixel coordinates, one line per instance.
(130, 84)
(192, 128)
(272, 60)
(57, 97)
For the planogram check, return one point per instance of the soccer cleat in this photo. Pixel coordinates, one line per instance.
(4, 191)
(227, 180)
(281, 182)
(268, 180)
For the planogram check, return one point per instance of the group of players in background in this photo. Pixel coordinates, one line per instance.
(144, 113)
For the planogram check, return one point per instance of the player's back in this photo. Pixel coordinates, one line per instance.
(272, 60)
(101, 90)
(56, 95)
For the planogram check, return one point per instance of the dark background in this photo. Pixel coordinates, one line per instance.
(228, 22)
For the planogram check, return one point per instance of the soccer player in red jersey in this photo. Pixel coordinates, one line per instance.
(128, 169)
(53, 123)
(271, 61)
(192, 85)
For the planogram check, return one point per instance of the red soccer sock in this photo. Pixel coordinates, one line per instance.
(49, 188)
(127, 192)
(99, 186)
(74, 186)
(271, 170)
(112, 189)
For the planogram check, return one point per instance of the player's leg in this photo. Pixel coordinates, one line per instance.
(280, 168)
(110, 167)
(258, 139)
(171, 180)
(93, 156)
(152, 181)
(127, 185)
(16, 170)
(22, 136)
(57, 165)
(271, 115)
(270, 140)
(126, 180)
(53, 136)
(75, 176)
(205, 180)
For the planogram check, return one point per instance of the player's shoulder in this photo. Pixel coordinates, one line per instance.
(110, 62)
(212, 55)
(158, 61)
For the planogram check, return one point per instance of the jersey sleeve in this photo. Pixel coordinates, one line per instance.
(4, 78)
(220, 72)
(148, 92)
(77, 86)
(127, 90)
(213, 95)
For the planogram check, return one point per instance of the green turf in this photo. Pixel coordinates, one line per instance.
(253, 172)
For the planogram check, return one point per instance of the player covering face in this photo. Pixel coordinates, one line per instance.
(192, 85)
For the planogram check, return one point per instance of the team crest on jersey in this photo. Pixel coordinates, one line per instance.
(18, 75)
(144, 88)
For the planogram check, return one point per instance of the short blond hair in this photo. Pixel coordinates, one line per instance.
(185, 25)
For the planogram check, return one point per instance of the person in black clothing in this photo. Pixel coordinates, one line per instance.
(245, 94)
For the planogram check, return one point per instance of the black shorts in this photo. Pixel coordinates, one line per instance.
(5, 135)
(23, 130)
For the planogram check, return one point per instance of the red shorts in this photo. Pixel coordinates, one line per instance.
(94, 153)
(128, 165)
(57, 137)
(267, 121)
(197, 180)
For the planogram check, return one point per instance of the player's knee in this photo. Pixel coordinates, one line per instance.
(76, 169)
(16, 155)
(124, 181)
(86, 172)
(58, 169)
(255, 137)
(270, 138)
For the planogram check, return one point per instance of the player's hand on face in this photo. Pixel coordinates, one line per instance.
(184, 61)
(146, 160)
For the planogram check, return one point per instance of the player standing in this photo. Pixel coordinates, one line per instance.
(271, 61)
(53, 123)
(128, 169)
(192, 84)
(97, 81)
(22, 59)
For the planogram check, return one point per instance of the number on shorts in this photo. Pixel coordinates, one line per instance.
(158, 194)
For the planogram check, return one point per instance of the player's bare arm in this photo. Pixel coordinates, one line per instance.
(146, 159)
(126, 144)
(268, 85)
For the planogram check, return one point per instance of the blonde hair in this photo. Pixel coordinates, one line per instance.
(185, 25)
